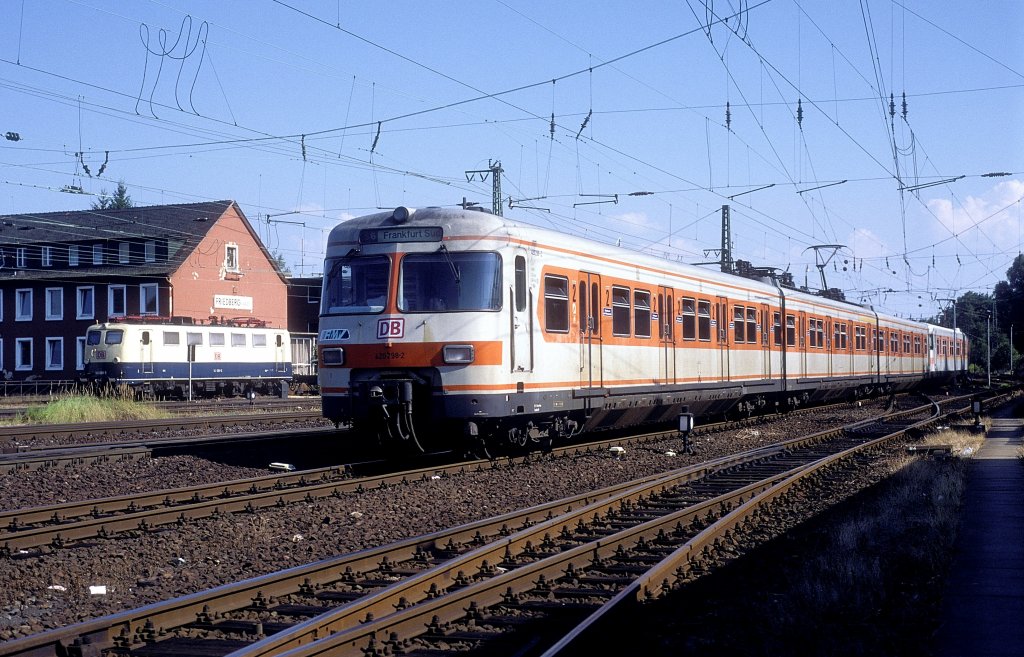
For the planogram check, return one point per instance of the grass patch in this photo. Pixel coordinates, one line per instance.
(72, 408)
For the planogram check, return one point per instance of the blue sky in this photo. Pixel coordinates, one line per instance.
(310, 112)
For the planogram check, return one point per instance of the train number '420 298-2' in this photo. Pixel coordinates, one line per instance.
(390, 355)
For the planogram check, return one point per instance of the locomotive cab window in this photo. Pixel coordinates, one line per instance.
(93, 338)
(446, 281)
(556, 304)
(355, 285)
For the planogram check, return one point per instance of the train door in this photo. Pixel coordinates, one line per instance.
(280, 351)
(146, 352)
(799, 342)
(723, 324)
(667, 334)
(831, 344)
(766, 354)
(590, 330)
(521, 318)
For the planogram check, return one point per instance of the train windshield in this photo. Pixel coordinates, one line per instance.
(445, 281)
(93, 338)
(355, 285)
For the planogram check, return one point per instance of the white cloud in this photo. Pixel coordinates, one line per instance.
(995, 213)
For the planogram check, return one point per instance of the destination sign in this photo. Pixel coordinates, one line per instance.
(399, 234)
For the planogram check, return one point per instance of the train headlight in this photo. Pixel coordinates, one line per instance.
(333, 356)
(459, 354)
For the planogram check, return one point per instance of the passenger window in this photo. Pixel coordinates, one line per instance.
(703, 321)
(556, 304)
(520, 283)
(790, 331)
(752, 325)
(739, 332)
(642, 313)
(777, 328)
(690, 319)
(620, 311)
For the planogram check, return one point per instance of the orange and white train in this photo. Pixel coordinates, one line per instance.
(439, 322)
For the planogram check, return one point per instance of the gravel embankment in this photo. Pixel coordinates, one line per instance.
(53, 589)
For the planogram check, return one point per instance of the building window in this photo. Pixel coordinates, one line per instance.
(73, 255)
(556, 304)
(47, 256)
(1, 308)
(79, 354)
(117, 301)
(54, 353)
(54, 303)
(85, 307)
(97, 254)
(148, 300)
(20, 257)
(23, 305)
(231, 257)
(123, 249)
(23, 354)
(150, 255)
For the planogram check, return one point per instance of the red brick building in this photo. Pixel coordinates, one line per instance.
(60, 272)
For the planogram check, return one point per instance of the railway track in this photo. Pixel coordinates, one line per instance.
(484, 578)
(57, 525)
(22, 438)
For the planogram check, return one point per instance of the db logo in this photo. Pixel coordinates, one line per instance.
(390, 328)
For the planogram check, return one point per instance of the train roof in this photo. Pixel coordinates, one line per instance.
(412, 224)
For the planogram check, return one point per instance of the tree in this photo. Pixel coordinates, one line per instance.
(116, 201)
(279, 260)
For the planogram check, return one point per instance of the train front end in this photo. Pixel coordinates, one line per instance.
(411, 329)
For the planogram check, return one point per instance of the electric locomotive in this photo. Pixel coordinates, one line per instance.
(169, 357)
(449, 322)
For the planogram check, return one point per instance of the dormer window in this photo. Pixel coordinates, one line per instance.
(122, 252)
(20, 257)
(73, 255)
(47, 256)
(150, 255)
(231, 257)
(97, 254)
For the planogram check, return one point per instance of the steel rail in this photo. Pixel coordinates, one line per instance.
(12, 437)
(408, 621)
